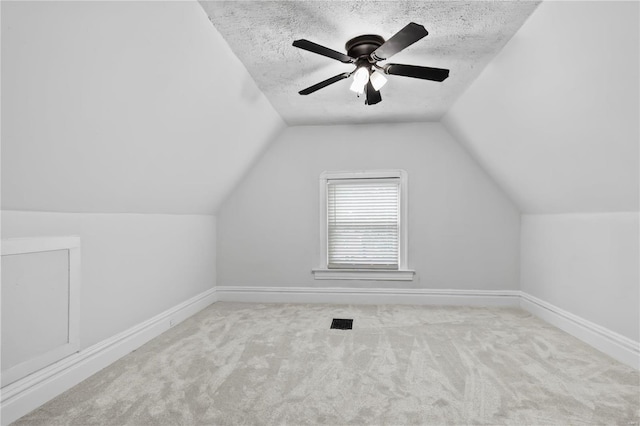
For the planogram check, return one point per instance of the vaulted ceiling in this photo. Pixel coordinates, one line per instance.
(555, 117)
(124, 107)
(545, 103)
(147, 107)
(463, 37)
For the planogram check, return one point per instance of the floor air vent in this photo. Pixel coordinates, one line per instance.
(342, 324)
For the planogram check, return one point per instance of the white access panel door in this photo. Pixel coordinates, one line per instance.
(40, 284)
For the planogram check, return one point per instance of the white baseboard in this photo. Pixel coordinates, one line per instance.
(368, 296)
(25, 395)
(611, 343)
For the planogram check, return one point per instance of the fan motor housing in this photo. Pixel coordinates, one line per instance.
(364, 45)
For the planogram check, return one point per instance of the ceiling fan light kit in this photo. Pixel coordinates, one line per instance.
(365, 52)
(360, 79)
(377, 80)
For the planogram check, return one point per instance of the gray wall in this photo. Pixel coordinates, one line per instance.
(464, 232)
(562, 140)
(134, 266)
(123, 107)
(586, 264)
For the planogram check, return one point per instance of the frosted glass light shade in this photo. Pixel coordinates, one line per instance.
(356, 87)
(360, 79)
(378, 80)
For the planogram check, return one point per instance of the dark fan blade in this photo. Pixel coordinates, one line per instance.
(425, 73)
(401, 40)
(373, 95)
(324, 51)
(325, 83)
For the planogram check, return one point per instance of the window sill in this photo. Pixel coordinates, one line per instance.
(363, 274)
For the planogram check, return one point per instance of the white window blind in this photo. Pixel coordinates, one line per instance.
(363, 223)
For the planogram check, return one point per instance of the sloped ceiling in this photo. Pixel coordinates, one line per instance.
(124, 107)
(555, 117)
(143, 107)
(463, 37)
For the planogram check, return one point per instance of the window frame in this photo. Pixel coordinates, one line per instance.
(403, 273)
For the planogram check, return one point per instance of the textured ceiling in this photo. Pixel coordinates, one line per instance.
(463, 37)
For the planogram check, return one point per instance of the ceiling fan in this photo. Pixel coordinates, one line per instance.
(365, 52)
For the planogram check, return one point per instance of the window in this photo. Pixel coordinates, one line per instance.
(363, 223)
(363, 228)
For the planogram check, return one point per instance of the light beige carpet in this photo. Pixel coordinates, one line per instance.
(263, 364)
